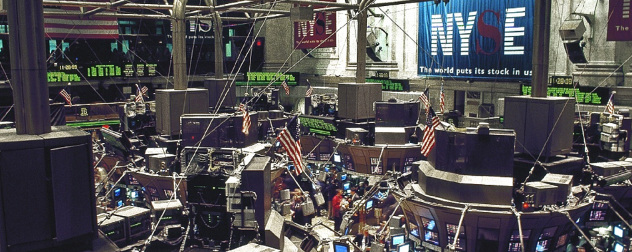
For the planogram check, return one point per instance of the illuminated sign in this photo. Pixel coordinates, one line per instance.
(62, 77)
(104, 71)
(561, 80)
(264, 78)
(318, 125)
(392, 85)
(486, 39)
(584, 95)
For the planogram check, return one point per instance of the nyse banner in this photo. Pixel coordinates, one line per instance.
(318, 33)
(619, 21)
(488, 39)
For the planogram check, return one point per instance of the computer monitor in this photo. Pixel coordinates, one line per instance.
(617, 231)
(119, 203)
(369, 204)
(343, 177)
(618, 247)
(341, 247)
(397, 239)
(337, 158)
(117, 192)
(404, 247)
(346, 186)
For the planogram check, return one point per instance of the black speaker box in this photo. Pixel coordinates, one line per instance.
(256, 178)
(575, 52)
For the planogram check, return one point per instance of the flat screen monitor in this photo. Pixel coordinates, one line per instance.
(617, 231)
(618, 247)
(119, 203)
(404, 247)
(341, 247)
(343, 177)
(337, 158)
(134, 195)
(346, 186)
(369, 204)
(117, 192)
(397, 239)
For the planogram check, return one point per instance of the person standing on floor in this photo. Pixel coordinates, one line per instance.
(336, 204)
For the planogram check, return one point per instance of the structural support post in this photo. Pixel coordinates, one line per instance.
(219, 43)
(361, 50)
(28, 67)
(541, 35)
(179, 45)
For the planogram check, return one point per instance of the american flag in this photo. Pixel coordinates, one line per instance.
(428, 142)
(66, 23)
(245, 126)
(610, 106)
(293, 150)
(66, 96)
(310, 91)
(286, 87)
(144, 90)
(139, 95)
(441, 100)
(424, 99)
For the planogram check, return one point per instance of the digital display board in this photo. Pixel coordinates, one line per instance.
(106, 70)
(63, 73)
(264, 78)
(390, 84)
(562, 86)
(319, 125)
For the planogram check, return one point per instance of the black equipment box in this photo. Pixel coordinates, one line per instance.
(396, 114)
(137, 222)
(357, 100)
(539, 194)
(535, 119)
(172, 211)
(161, 162)
(356, 135)
(563, 182)
(113, 228)
(224, 130)
(171, 104)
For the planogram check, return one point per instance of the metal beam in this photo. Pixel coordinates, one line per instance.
(323, 3)
(97, 10)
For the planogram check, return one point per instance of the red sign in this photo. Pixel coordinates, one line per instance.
(317, 33)
(620, 22)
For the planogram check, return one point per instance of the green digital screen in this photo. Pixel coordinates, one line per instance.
(104, 71)
(318, 125)
(59, 76)
(584, 95)
(264, 78)
(391, 85)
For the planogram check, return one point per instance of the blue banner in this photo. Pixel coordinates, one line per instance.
(488, 39)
